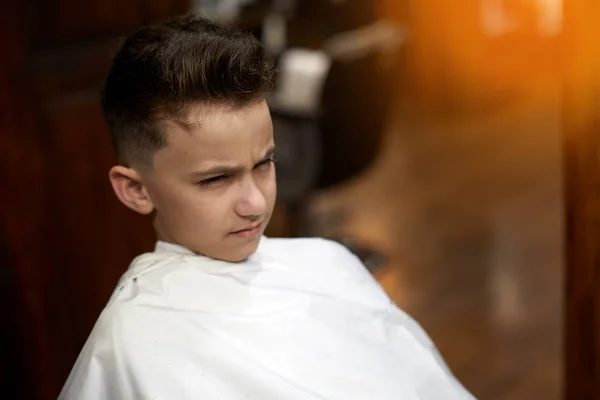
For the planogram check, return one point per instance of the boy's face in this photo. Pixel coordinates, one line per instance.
(213, 187)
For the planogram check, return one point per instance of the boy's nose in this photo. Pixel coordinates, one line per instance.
(252, 202)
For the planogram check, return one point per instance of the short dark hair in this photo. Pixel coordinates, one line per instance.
(161, 69)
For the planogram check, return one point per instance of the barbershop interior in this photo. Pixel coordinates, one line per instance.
(452, 146)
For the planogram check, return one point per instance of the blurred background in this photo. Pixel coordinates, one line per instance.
(451, 144)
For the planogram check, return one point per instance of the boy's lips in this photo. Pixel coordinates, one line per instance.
(249, 231)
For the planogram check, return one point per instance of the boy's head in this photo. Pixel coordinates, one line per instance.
(185, 103)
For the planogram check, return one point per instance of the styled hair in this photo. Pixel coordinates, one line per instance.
(160, 70)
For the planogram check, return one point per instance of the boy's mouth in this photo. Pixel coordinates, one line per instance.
(249, 231)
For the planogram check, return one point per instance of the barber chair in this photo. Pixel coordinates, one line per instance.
(329, 111)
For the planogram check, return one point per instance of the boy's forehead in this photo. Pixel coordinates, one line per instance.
(209, 122)
(196, 119)
(215, 134)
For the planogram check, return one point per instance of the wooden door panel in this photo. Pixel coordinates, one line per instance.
(66, 20)
(69, 71)
(90, 236)
(59, 22)
(67, 237)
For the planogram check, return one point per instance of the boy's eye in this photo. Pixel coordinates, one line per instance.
(266, 162)
(213, 180)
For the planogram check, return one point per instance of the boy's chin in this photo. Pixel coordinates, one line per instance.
(238, 254)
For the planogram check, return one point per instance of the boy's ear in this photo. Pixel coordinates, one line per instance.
(128, 187)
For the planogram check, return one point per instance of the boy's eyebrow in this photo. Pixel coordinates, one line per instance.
(230, 170)
(269, 153)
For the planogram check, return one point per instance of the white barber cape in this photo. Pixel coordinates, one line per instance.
(301, 319)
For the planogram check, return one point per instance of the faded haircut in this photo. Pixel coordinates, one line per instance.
(160, 70)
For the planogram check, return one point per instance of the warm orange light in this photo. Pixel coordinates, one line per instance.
(479, 51)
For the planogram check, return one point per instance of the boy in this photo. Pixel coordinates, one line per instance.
(219, 311)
